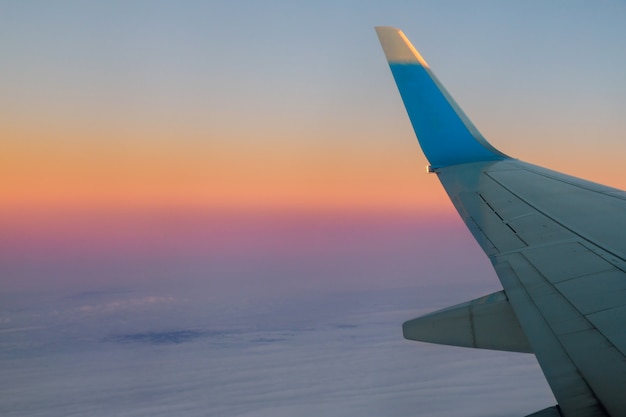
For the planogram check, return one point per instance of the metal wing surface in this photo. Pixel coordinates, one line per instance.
(557, 244)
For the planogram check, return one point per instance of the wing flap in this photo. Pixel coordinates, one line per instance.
(572, 392)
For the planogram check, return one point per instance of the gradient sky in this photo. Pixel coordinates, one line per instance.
(240, 151)
(278, 104)
(147, 132)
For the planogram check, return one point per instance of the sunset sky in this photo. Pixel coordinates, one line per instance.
(283, 105)
(248, 148)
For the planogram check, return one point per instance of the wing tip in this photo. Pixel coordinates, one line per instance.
(445, 133)
(397, 47)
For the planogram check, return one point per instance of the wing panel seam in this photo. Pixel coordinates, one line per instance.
(587, 241)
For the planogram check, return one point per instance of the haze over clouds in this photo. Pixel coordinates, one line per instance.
(219, 208)
(338, 354)
(322, 337)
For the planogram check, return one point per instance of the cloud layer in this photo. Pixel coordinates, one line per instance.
(338, 354)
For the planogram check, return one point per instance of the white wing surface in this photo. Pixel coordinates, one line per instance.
(557, 244)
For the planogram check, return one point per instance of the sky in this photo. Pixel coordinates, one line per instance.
(283, 105)
(170, 168)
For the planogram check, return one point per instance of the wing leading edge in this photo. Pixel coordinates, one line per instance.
(556, 243)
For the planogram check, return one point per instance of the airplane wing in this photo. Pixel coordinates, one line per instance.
(557, 244)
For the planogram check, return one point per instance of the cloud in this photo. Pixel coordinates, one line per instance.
(125, 304)
(333, 354)
(160, 338)
(171, 337)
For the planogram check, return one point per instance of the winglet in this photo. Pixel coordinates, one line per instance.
(444, 132)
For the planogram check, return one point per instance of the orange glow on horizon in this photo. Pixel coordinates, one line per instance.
(122, 168)
(59, 173)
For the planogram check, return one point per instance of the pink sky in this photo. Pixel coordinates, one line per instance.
(131, 140)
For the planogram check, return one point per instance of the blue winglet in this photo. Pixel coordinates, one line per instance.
(446, 135)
